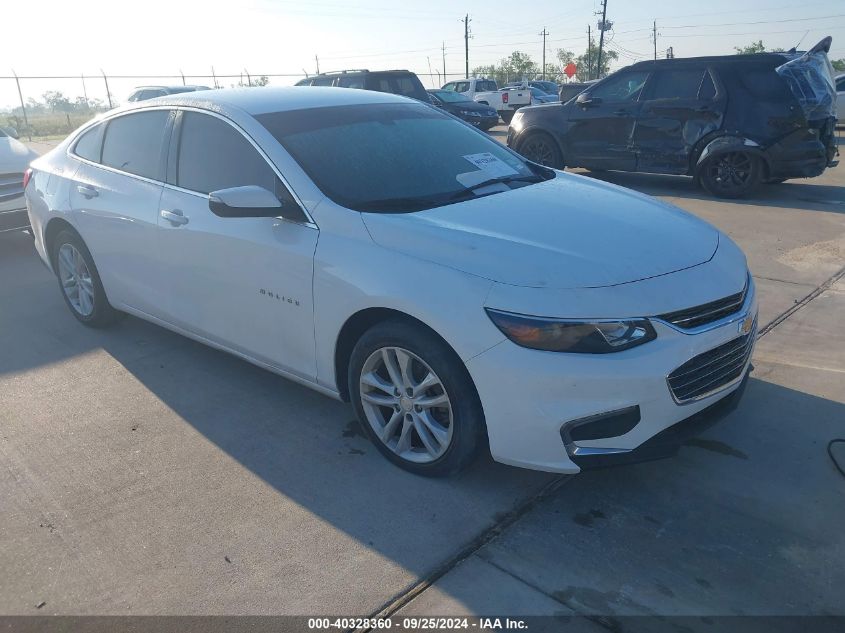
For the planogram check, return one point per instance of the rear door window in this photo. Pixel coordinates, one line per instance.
(356, 81)
(133, 143)
(677, 83)
(323, 81)
(486, 86)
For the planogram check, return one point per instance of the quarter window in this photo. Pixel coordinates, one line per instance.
(213, 155)
(90, 145)
(133, 143)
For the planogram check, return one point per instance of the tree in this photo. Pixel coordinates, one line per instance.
(838, 64)
(755, 47)
(261, 80)
(516, 67)
(57, 101)
(585, 64)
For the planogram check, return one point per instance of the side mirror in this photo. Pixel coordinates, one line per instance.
(585, 100)
(251, 201)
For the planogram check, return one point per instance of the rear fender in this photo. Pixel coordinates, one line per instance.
(726, 144)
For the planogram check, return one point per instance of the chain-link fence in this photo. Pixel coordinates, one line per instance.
(53, 106)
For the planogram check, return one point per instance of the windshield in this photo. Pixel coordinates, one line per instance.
(394, 157)
(450, 97)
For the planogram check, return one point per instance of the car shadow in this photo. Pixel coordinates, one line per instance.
(803, 194)
(311, 452)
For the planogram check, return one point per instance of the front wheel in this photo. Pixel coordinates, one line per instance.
(541, 148)
(731, 175)
(415, 399)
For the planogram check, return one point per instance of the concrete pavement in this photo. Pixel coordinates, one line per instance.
(143, 473)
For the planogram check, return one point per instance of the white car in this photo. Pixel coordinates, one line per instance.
(840, 99)
(14, 161)
(381, 251)
(505, 101)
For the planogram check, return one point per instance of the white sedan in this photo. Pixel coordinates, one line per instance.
(383, 252)
(14, 161)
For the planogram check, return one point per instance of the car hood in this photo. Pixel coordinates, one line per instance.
(14, 155)
(568, 232)
(472, 106)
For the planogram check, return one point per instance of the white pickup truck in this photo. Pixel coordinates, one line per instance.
(505, 101)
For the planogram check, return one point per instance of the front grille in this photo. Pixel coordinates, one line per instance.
(706, 313)
(713, 369)
(11, 186)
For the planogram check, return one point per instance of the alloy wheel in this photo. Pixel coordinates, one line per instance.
(76, 280)
(539, 150)
(406, 404)
(730, 171)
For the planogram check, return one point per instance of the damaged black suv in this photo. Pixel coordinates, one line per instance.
(731, 122)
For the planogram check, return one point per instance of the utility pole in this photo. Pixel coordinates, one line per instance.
(23, 107)
(317, 59)
(603, 26)
(443, 50)
(466, 22)
(654, 34)
(544, 34)
(84, 89)
(108, 92)
(589, 54)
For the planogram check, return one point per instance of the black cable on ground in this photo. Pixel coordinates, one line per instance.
(835, 461)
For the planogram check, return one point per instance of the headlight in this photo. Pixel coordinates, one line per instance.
(570, 335)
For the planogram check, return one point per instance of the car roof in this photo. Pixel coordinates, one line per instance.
(762, 59)
(264, 99)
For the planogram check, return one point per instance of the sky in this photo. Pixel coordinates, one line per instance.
(167, 38)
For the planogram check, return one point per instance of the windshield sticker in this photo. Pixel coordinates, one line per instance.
(490, 165)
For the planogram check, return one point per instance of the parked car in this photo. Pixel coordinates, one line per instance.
(573, 89)
(731, 122)
(548, 87)
(840, 99)
(459, 295)
(538, 97)
(480, 115)
(486, 91)
(14, 161)
(397, 82)
(142, 93)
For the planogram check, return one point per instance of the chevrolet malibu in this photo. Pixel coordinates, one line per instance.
(382, 252)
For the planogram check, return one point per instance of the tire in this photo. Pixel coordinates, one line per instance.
(507, 116)
(435, 432)
(541, 148)
(79, 282)
(731, 174)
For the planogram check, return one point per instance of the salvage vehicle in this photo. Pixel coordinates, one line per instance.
(397, 82)
(731, 122)
(382, 252)
(14, 161)
(481, 116)
(505, 101)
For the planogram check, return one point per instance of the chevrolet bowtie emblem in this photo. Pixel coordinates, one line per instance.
(746, 325)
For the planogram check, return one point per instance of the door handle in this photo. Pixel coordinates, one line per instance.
(87, 191)
(175, 217)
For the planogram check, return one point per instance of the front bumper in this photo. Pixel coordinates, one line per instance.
(530, 396)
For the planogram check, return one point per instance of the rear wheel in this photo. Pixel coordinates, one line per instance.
(80, 282)
(541, 148)
(731, 175)
(415, 399)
